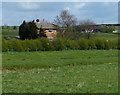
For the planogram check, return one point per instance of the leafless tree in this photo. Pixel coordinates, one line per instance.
(65, 19)
(87, 26)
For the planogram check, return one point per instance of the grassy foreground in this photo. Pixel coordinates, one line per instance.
(51, 72)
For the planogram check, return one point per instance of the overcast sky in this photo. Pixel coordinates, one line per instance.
(13, 13)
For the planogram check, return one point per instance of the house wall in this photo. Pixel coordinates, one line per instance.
(51, 34)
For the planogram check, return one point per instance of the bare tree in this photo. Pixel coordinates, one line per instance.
(65, 22)
(65, 19)
(87, 22)
(87, 26)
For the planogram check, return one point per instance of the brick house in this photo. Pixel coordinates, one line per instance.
(49, 29)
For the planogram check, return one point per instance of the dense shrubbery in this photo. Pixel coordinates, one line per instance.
(43, 44)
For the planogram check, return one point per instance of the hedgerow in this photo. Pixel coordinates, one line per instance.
(43, 44)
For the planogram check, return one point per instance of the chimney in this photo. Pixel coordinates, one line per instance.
(37, 20)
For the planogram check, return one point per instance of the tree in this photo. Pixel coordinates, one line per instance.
(65, 19)
(87, 26)
(65, 22)
(107, 29)
(28, 30)
(111, 29)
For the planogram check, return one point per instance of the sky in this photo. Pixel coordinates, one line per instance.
(13, 13)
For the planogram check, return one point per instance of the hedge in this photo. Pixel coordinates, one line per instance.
(43, 44)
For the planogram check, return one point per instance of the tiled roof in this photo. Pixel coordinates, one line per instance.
(45, 25)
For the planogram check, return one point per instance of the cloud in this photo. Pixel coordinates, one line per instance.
(19, 11)
(78, 6)
(28, 5)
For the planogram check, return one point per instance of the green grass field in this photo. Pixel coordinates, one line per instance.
(79, 71)
(10, 32)
(107, 35)
(46, 59)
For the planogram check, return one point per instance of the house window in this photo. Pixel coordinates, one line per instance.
(50, 31)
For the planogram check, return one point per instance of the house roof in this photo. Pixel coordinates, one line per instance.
(45, 25)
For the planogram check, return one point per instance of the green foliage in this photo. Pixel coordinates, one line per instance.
(91, 44)
(99, 43)
(107, 29)
(115, 44)
(4, 45)
(59, 44)
(73, 34)
(17, 45)
(83, 44)
(108, 44)
(11, 45)
(43, 44)
(39, 46)
(31, 45)
(28, 31)
(14, 45)
(25, 45)
(73, 44)
(118, 43)
(111, 28)
(46, 44)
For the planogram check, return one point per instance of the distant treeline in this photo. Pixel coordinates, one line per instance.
(43, 44)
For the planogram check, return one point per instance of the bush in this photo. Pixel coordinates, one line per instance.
(46, 44)
(59, 44)
(108, 44)
(91, 44)
(24, 45)
(27, 30)
(4, 45)
(115, 44)
(39, 46)
(31, 45)
(73, 44)
(83, 44)
(11, 45)
(15, 45)
(99, 43)
(118, 43)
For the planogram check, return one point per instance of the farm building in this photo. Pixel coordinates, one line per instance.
(49, 29)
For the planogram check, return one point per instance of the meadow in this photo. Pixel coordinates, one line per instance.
(107, 35)
(68, 71)
(10, 32)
